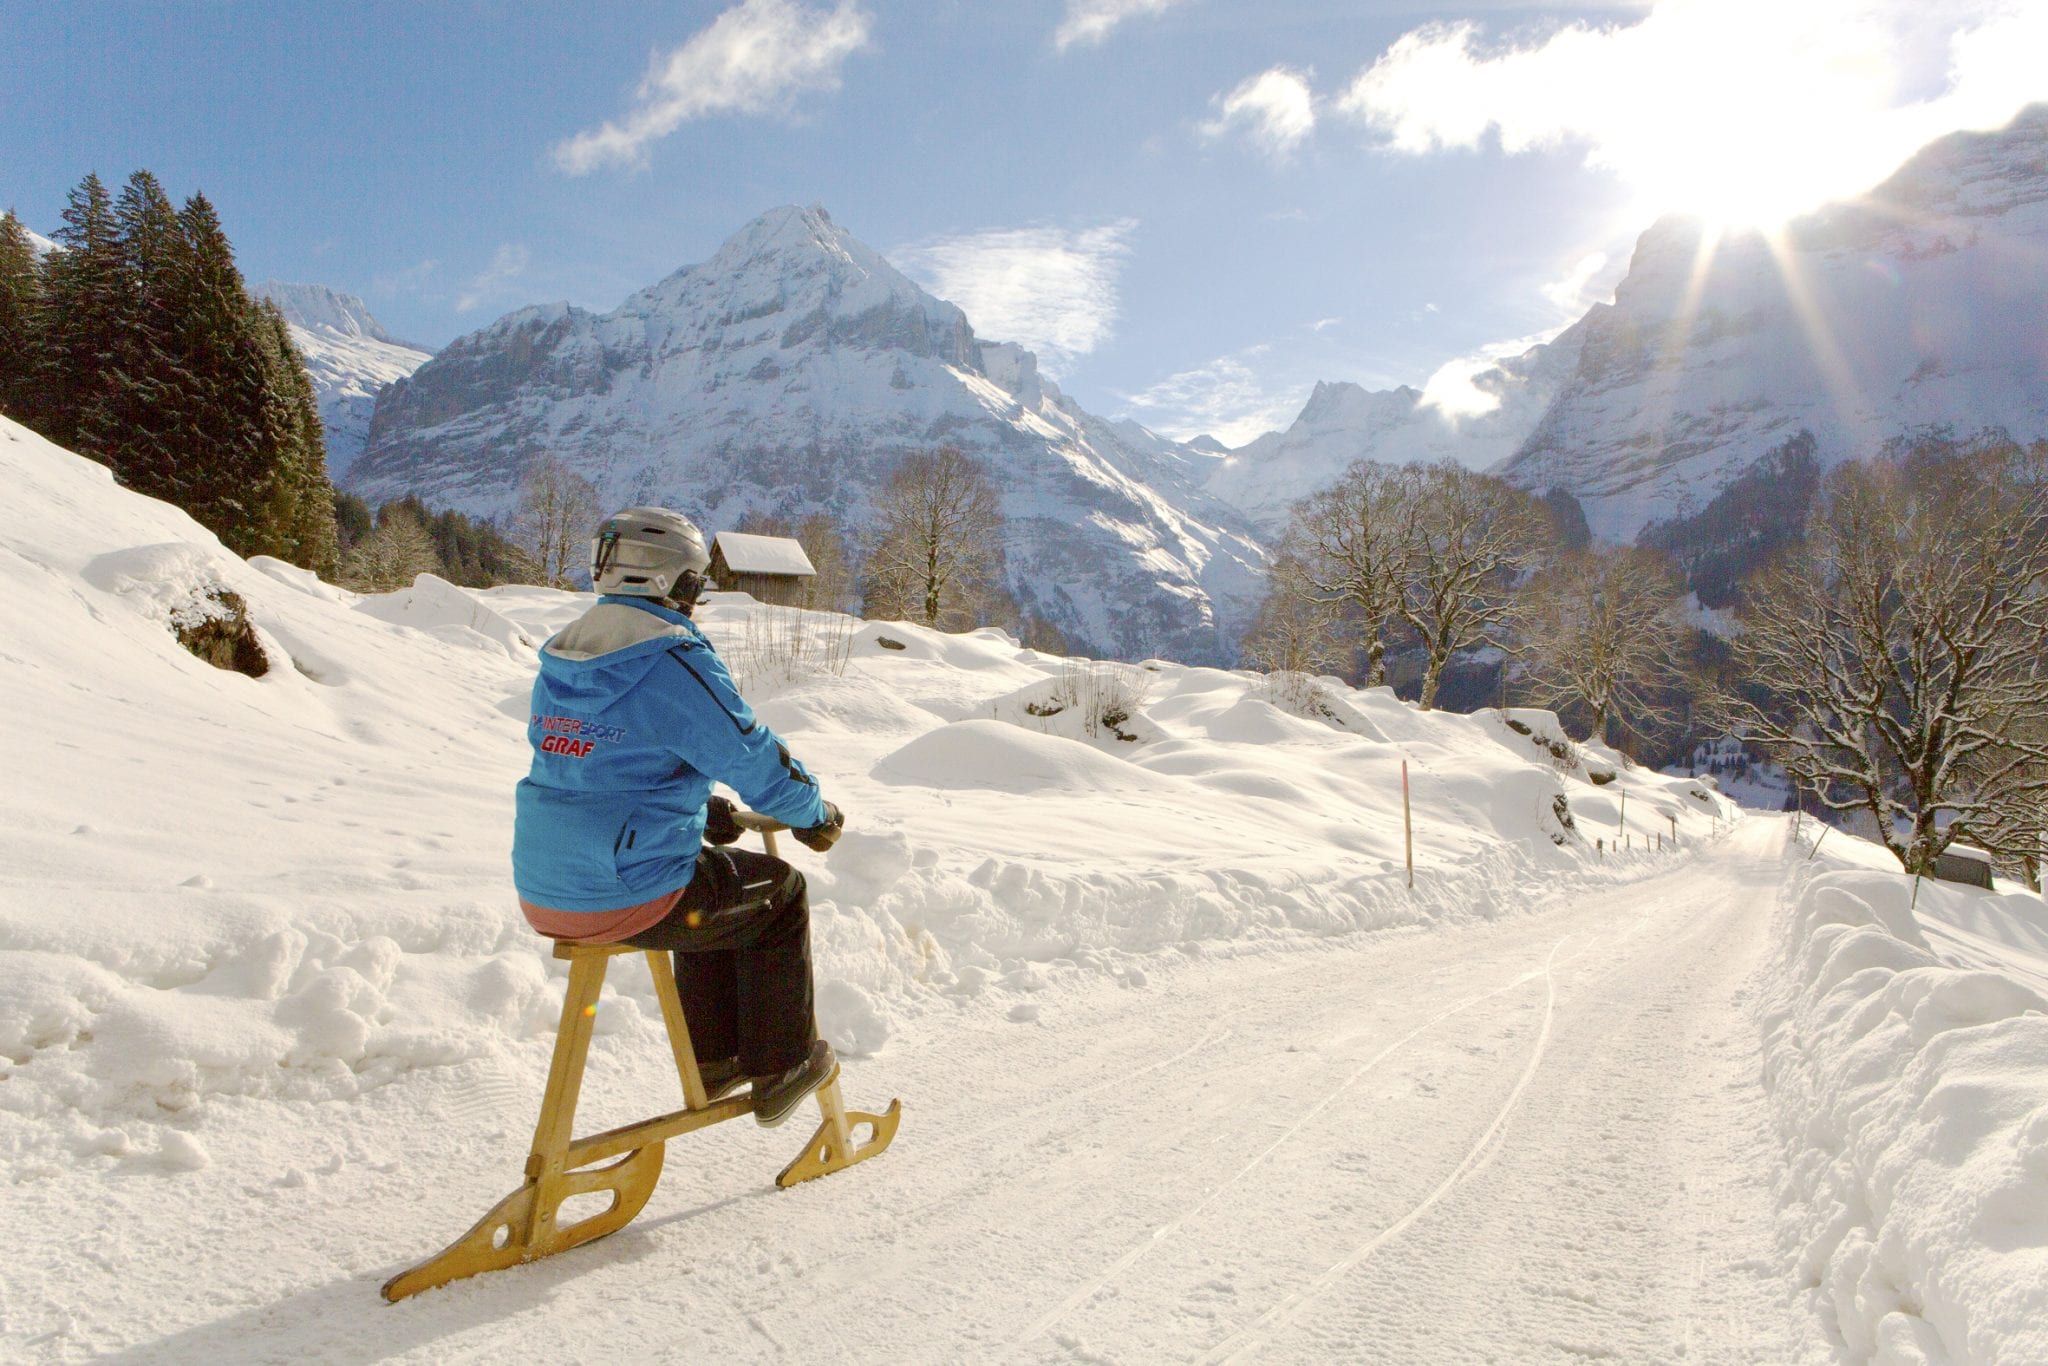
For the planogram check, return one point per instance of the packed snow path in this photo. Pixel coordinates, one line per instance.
(1538, 1139)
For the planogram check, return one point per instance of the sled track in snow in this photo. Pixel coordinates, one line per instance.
(1283, 1313)
(1243, 1344)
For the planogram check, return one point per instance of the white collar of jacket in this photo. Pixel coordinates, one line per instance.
(618, 622)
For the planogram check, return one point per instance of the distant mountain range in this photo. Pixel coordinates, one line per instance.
(788, 374)
(1918, 311)
(350, 357)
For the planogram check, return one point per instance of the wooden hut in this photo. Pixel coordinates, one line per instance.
(772, 569)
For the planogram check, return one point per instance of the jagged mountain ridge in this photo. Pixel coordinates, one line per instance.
(349, 356)
(789, 373)
(1912, 312)
(1344, 422)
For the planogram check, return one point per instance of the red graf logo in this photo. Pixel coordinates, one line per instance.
(563, 745)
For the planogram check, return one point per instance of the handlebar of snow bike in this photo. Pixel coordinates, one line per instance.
(767, 827)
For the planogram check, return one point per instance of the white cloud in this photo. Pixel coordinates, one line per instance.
(1227, 398)
(1048, 289)
(1748, 110)
(753, 59)
(1451, 390)
(1324, 324)
(1276, 109)
(507, 265)
(1090, 21)
(1590, 280)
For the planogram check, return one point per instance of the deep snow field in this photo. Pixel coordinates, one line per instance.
(272, 1028)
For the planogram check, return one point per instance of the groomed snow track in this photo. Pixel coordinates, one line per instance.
(1539, 1139)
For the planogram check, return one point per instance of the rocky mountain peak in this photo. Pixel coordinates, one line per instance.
(349, 356)
(790, 373)
(1904, 315)
(316, 308)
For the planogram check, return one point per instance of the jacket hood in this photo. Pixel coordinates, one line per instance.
(609, 649)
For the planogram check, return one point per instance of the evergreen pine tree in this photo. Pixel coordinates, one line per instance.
(139, 419)
(156, 361)
(353, 520)
(21, 341)
(223, 352)
(297, 502)
(83, 295)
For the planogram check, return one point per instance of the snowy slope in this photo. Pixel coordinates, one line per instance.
(1343, 423)
(41, 245)
(350, 357)
(1915, 311)
(271, 1026)
(787, 374)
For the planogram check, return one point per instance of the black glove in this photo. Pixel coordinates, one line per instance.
(825, 834)
(719, 825)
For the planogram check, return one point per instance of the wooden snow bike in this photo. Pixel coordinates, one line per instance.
(530, 1224)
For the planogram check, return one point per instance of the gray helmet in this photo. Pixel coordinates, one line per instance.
(649, 552)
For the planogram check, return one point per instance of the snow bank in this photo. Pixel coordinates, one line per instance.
(1907, 1061)
(227, 901)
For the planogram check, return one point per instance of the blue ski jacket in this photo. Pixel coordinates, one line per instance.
(634, 716)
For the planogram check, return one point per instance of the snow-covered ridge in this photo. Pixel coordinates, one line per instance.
(349, 356)
(1343, 422)
(1909, 313)
(787, 374)
(1907, 1056)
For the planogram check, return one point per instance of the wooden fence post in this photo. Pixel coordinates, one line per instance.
(1407, 825)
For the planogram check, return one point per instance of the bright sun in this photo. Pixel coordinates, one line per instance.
(1748, 174)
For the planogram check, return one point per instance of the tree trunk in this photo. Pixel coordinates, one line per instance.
(1431, 676)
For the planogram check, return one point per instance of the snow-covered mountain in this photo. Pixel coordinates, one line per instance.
(1916, 311)
(39, 244)
(1343, 422)
(350, 357)
(789, 373)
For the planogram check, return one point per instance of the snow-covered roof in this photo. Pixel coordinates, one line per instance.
(746, 554)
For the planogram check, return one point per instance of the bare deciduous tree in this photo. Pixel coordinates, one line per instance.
(392, 555)
(832, 588)
(1469, 534)
(1599, 630)
(1295, 630)
(1900, 660)
(937, 551)
(1346, 552)
(557, 513)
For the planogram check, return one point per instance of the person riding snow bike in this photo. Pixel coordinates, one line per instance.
(617, 838)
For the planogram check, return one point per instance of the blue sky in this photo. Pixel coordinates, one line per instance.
(1193, 208)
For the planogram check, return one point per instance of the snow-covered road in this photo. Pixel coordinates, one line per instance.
(1536, 1139)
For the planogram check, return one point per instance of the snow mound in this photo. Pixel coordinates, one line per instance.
(1911, 1093)
(439, 608)
(997, 757)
